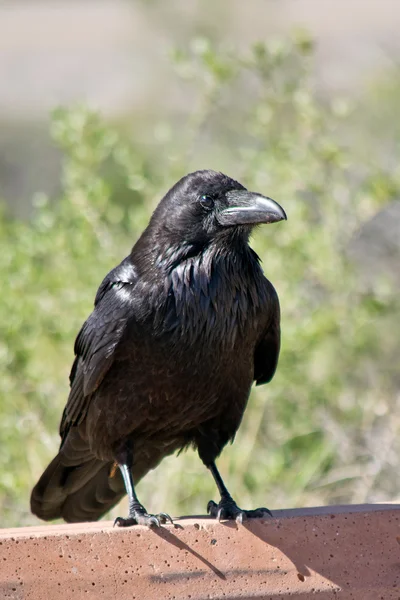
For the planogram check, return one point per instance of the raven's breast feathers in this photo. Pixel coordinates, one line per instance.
(214, 298)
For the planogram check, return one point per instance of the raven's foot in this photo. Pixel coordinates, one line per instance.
(228, 509)
(141, 517)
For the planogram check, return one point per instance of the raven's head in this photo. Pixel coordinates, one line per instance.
(205, 205)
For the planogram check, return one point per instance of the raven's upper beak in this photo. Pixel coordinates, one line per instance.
(248, 208)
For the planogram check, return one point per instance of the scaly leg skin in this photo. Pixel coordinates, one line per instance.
(137, 513)
(227, 507)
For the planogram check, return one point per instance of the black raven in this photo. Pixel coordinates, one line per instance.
(180, 330)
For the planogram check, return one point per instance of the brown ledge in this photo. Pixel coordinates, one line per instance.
(341, 552)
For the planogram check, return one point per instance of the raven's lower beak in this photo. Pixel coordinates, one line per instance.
(248, 208)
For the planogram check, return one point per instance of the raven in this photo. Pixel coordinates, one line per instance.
(180, 330)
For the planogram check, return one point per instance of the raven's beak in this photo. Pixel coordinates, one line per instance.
(248, 208)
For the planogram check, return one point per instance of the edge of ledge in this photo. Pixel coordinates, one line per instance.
(108, 526)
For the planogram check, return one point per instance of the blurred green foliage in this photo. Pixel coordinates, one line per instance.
(325, 430)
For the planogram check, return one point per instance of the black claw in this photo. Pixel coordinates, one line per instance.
(152, 520)
(239, 518)
(228, 509)
(142, 518)
(125, 522)
(164, 518)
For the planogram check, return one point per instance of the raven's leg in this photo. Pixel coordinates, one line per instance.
(227, 507)
(137, 513)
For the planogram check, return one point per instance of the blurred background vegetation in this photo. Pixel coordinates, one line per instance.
(327, 429)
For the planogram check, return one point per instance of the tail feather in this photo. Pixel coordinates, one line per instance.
(96, 497)
(76, 485)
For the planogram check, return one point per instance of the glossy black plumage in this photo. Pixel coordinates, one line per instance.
(180, 330)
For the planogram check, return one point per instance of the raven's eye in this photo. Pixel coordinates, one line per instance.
(207, 201)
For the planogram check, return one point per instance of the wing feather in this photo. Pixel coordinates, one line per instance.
(267, 350)
(97, 341)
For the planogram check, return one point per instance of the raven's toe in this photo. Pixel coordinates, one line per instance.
(228, 509)
(142, 518)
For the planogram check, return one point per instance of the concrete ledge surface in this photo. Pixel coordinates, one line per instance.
(350, 552)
